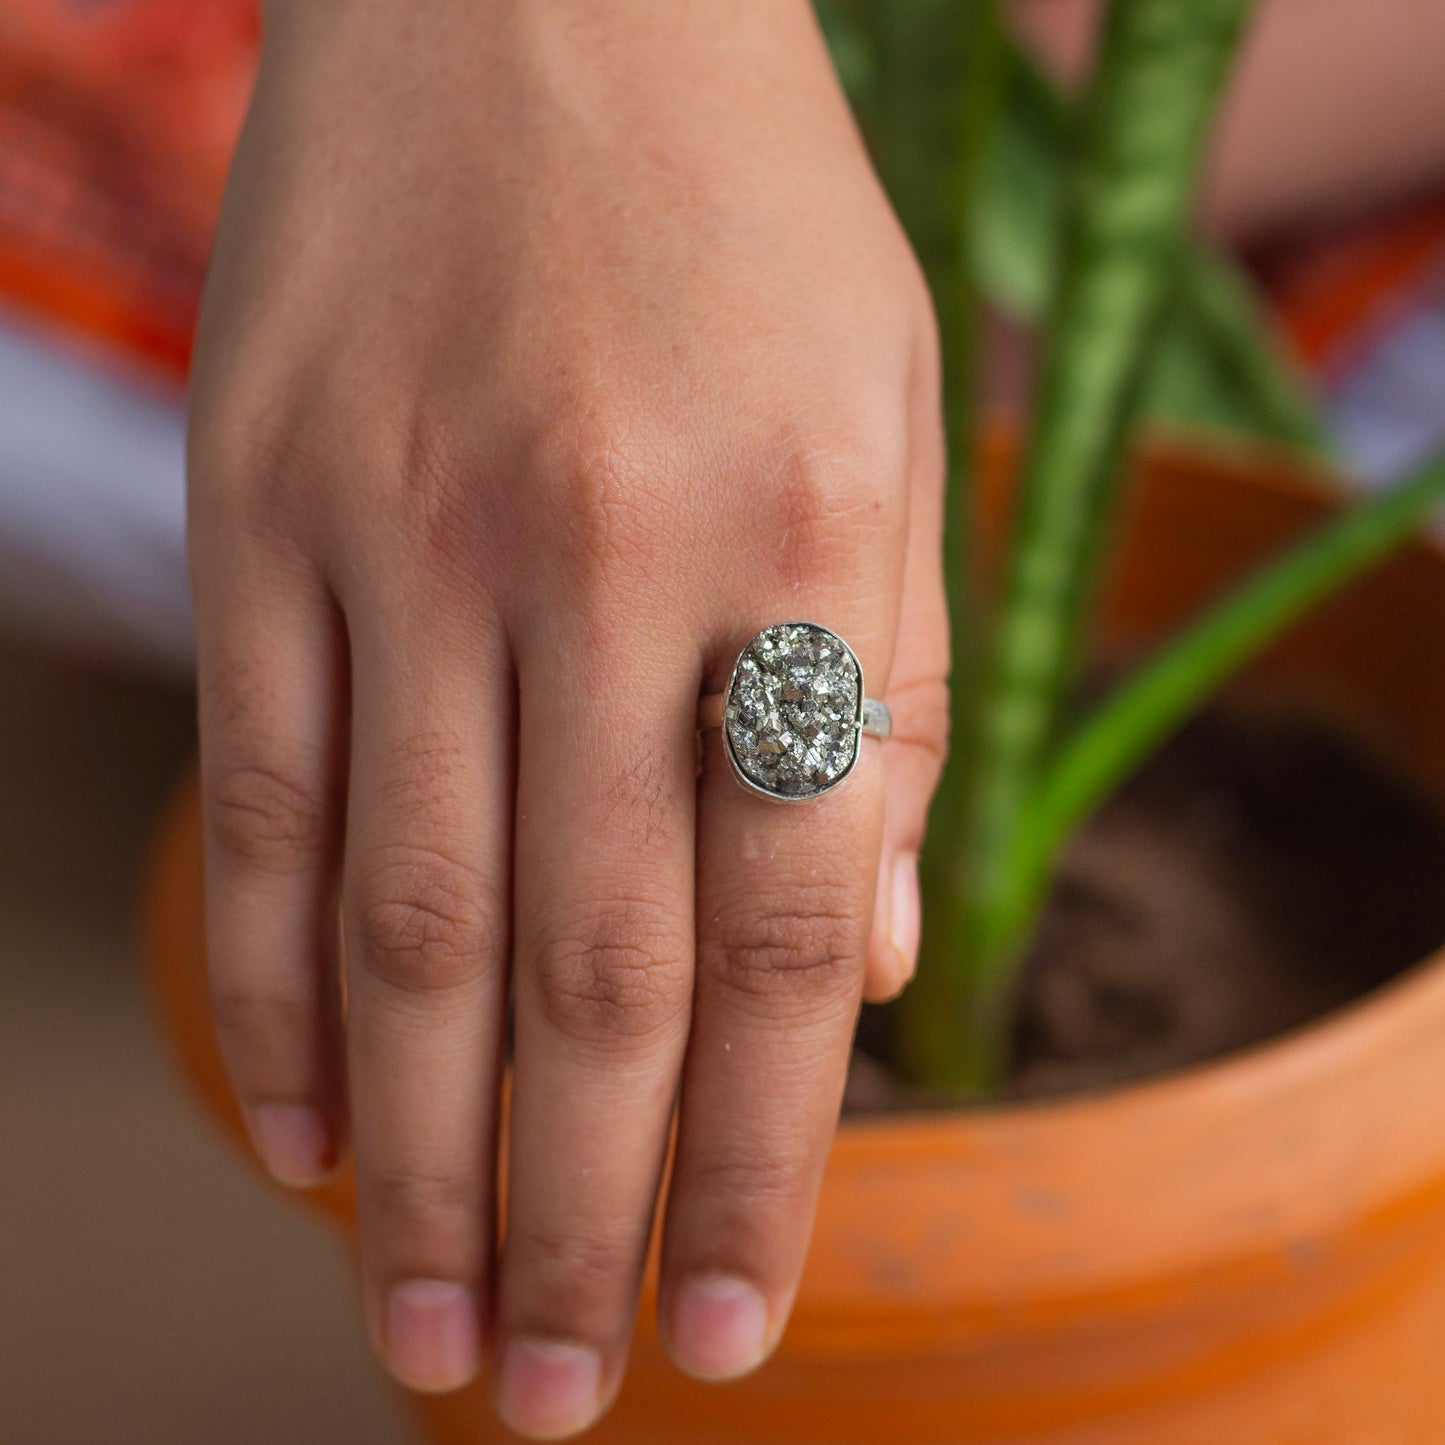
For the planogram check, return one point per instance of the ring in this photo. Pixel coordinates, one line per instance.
(794, 714)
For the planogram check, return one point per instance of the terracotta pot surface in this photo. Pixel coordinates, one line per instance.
(1251, 1253)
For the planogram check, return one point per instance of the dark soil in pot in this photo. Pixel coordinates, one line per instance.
(1257, 873)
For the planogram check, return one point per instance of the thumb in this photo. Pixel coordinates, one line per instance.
(912, 761)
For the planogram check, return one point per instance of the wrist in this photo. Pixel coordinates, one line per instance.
(597, 29)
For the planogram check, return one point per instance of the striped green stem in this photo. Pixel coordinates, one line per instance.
(1161, 67)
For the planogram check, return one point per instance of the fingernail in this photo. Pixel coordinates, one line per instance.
(719, 1327)
(294, 1143)
(433, 1338)
(549, 1388)
(905, 914)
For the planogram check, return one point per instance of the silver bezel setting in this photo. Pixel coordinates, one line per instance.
(739, 770)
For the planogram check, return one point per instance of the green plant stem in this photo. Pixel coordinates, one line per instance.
(1161, 67)
(1144, 710)
(1219, 364)
(926, 1024)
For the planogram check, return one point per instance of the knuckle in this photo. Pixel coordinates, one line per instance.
(434, 457)
(614, 982)
(606, 471)
(825, 509)
(580, 1261)
(263, 817)
(426, 923)
(254, 473)
(422, 480)
(254, 1024)
(569, 1278)
(439, 503)
(409, 1204)
(763, 1183)
(808, 944)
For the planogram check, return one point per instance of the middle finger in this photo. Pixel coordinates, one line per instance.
(604, 883)
(425, 928)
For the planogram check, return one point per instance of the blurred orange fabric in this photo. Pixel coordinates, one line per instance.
(1335, 295)
(117, 119)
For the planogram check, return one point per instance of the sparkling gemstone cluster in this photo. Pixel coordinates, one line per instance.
(792, 710)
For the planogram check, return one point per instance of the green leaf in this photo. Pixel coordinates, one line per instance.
(1161, 695)
(1218, 364)
(1012, 230)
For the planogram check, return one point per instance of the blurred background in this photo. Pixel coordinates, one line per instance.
(151, 1290)
(151, 1293)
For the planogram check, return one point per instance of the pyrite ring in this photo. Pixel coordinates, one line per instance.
(794, 714)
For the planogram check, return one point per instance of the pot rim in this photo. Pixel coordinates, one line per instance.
(1034, 1211)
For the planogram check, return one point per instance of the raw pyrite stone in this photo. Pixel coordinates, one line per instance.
(793, 710)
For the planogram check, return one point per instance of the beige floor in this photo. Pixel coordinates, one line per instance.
(151, 1293)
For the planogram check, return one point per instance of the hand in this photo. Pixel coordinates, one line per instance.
(549, 351)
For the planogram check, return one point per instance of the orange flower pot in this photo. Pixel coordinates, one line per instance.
(1251, 1253)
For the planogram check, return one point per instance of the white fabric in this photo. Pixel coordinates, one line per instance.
(92, 507)
(1388, 413)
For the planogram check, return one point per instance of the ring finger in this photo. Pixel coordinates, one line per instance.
(785, 894)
